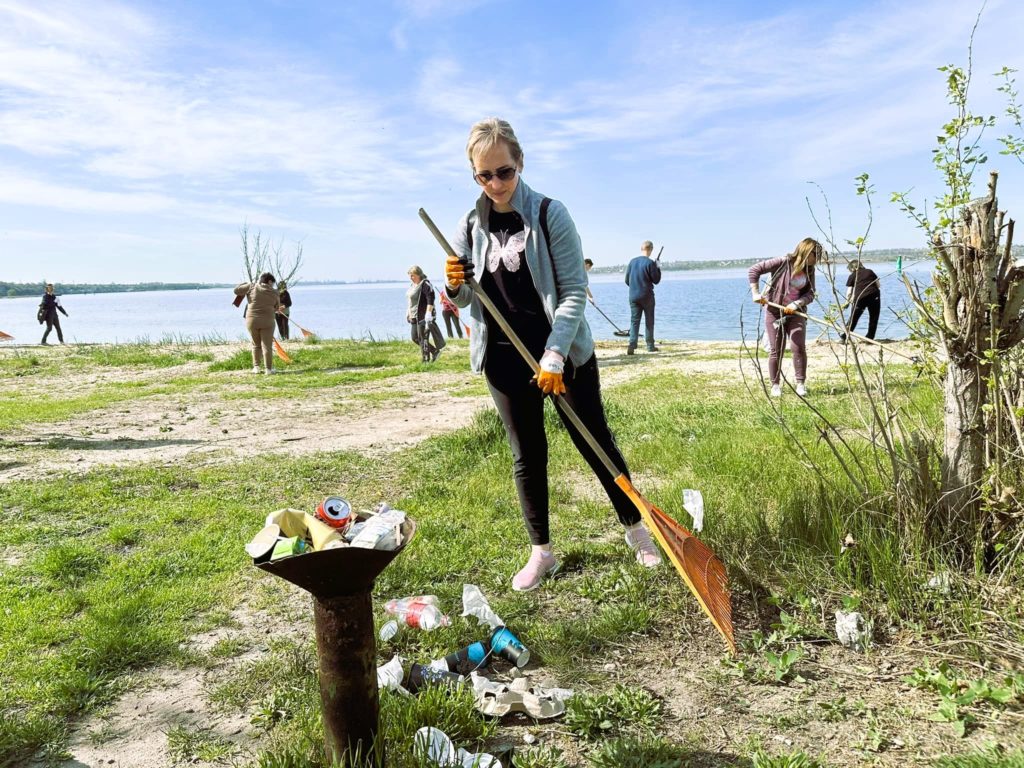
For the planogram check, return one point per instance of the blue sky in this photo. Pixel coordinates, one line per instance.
(136, 138)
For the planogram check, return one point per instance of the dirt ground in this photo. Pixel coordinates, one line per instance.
(210, 426)
(723, 714)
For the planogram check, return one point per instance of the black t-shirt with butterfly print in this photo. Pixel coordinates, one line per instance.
(507, 281)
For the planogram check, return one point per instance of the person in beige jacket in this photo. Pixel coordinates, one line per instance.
(260, 313)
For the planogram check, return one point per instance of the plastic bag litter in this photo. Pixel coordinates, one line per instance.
(693, 502)
(498, 699)
(475, 604)
(434, 745)
(853, 630)
(381, 531)
(390, 675)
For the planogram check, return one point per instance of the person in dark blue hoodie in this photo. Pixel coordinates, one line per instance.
(642, 274)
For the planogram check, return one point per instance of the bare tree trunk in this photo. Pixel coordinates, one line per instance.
(962, 457)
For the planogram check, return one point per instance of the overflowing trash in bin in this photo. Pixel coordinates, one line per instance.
(323, 552)
(290, 532)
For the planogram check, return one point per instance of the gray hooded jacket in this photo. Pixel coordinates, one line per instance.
(558, 274)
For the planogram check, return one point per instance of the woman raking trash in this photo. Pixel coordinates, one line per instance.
(527, 247)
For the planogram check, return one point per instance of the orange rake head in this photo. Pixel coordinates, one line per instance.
(698, 566)
(280, 351)
(6, 336)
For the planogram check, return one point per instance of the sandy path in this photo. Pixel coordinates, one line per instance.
(212, 425)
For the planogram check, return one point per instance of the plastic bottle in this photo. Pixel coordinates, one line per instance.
(400, 604)
(421, 614)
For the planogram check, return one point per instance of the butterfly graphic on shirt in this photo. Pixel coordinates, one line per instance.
(505, 249)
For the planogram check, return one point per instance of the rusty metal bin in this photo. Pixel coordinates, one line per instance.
(341, 582)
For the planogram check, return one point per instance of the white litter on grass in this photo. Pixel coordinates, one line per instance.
(475, 604)
(940, 583)
(388, 631)
(853, 630)
(434, 745)
(693, 502)
(390, 675)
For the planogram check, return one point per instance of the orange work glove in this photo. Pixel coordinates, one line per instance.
(550, 383)
(457, 271)
(549, 377)
(791, 308)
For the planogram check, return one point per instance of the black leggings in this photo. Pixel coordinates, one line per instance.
(520, 404)
(450, 318)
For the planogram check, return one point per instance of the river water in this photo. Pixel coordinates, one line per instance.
(698, 305)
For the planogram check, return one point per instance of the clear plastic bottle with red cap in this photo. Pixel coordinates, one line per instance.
(421, 612)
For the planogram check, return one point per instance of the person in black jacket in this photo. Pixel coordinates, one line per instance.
(422, 315)
(284, 310)
(863, 291)
(48, 309)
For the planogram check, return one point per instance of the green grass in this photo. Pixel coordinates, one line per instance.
(314, 367)
(112, 571)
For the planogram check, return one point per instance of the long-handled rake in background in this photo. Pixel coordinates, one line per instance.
(618, 331)
(305, 334)
(280, 351)
(699, 567)
(827, 324)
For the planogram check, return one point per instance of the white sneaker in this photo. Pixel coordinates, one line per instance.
(255, 369)
(269, 371)
(639, 540)
(801, 389)
(776, 390)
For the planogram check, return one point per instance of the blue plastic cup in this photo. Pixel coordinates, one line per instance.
(505, 644)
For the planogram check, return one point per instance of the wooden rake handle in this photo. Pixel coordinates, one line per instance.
(850, 334)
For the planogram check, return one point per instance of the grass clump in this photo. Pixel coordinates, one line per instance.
(623, 710)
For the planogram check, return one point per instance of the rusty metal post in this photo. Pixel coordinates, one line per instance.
(341, 582)
(347, 648)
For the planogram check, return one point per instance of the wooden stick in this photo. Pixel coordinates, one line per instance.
(848, 333)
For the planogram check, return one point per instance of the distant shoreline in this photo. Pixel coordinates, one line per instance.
(21, 290)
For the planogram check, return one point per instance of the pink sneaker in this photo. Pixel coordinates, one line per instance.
(539, 565)
(640, 541)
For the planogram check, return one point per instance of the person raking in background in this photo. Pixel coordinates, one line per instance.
(642, 274)
(48, 308)
(421, 315)
(588, 264)
(792, 286)
(259, 319)
(450, 313)
(284, 310)
(864, 291)
(535, 276)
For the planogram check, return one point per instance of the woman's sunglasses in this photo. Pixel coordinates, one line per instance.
(504, 174)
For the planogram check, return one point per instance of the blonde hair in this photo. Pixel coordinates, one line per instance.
(805, 249)
(647, 246)
(415, 270)
(487, 133)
